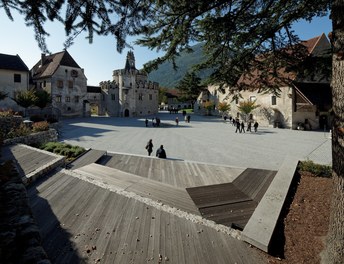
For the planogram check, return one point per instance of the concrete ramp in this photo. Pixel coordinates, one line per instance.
(261, 226)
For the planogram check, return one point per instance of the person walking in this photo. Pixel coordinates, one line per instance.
(237, 123)
(188, 118)
(177, 120)
(242, 127)
(149, 147)
(255, 126)
(161, 153)
(146, 122)
(249, 125)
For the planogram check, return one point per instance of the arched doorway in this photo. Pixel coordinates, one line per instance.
(126, 113)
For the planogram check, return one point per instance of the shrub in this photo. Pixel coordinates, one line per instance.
(20, 131)
(6, 113)
(316, 169)
(67, 150)
(40, 126)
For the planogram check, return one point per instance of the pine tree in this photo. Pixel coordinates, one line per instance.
(190, 87)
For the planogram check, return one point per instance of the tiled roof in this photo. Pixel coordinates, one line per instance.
(12, 62)
(51, 63)
(315, 46)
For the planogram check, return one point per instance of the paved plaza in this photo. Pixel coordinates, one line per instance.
(204, 139)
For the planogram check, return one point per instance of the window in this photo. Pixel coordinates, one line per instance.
(150, 97)
(58, 98)
(70, 84)
(67, 99)
(273, 100)
(236, 100)
(45, 84)
(76, 99)
(59, 83)
(113, 97)
(17, 78)
(140, 97)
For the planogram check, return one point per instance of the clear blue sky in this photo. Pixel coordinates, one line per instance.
(100, 58)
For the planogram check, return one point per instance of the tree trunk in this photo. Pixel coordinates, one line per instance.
(334, 248)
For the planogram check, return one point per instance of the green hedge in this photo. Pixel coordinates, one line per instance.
(67, 150)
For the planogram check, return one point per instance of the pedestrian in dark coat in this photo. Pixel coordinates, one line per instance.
(160, 153)
(249, 125)
(242, 127)
(237, 123)
(255, 126)
(146, 122)
(188, 118)
(149, 147)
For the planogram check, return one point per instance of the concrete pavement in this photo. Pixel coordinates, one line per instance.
(204, 139)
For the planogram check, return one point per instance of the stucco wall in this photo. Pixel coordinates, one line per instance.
(9, 87)
(71, 108)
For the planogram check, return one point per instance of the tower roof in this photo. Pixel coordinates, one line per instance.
(130, 62)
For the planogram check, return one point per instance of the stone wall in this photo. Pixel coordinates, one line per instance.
(34, 138)
(20, 238)
(7, 123)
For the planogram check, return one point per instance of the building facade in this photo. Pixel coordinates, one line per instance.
(305, 100)
(65, 81)
(14, 78)
(136, 95)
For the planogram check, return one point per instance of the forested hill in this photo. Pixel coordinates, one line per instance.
(167, 77)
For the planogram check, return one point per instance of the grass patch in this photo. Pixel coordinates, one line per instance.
(67, 150)
(315, 169)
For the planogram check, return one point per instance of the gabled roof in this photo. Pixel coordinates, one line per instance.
(12, 62)
(48, 65)
(317, 46)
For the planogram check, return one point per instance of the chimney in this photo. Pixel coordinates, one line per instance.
(42, 59)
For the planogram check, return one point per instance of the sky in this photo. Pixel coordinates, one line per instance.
(100, 58)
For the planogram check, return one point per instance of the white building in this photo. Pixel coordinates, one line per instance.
(14, 78)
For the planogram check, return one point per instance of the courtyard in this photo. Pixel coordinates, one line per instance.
(205, 139)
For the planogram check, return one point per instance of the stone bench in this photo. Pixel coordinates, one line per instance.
(261, 226)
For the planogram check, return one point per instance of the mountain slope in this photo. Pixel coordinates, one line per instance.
(167, 77)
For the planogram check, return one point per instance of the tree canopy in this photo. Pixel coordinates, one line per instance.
(190, 87)
(233, 32)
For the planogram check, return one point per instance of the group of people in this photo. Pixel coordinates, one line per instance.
(155, 122)
(240, 126)
(160, 152)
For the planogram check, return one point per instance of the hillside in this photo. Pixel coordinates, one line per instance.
(167, 77)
